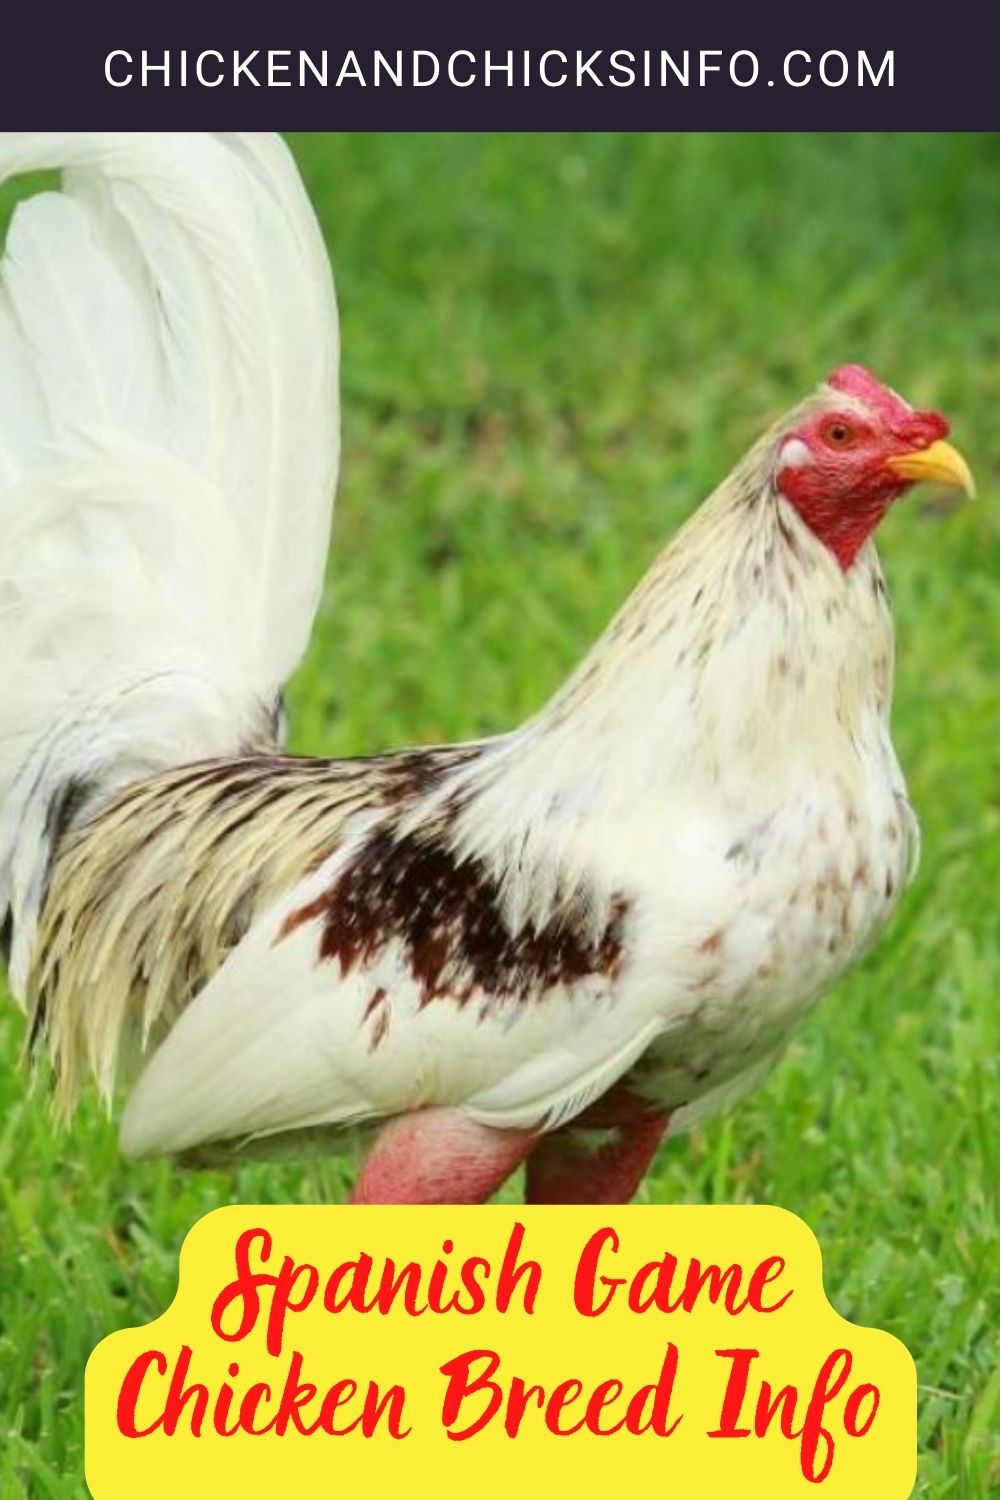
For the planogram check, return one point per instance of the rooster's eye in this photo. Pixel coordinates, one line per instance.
(839, 435)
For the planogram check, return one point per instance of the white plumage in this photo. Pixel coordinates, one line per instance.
(609, 919)
(726, 950)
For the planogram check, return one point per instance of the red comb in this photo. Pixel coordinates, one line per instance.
(915, 426)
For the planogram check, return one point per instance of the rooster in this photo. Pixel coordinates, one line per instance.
(550, 948)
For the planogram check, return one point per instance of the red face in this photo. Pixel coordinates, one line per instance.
(843, 468)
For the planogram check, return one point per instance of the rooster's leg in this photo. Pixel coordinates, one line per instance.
(439, 1156)
(601, 1156)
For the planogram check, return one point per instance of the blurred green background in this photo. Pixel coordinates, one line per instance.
(554, 347)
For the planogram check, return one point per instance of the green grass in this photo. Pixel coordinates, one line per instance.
(554, 347)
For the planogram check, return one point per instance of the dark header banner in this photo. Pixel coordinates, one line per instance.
(504, 67)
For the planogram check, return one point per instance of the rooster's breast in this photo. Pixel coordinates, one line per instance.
(796, 897)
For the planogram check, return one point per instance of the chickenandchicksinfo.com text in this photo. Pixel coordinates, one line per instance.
(462, 68)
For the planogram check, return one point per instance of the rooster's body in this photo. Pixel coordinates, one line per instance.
(550, 946)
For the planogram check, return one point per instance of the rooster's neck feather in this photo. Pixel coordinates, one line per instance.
(744, 633)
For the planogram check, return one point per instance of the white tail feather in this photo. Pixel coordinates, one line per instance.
(168, 454)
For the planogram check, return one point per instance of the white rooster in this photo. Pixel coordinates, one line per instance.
(549, 947)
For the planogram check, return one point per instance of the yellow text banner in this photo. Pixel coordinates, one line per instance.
(344, 1350)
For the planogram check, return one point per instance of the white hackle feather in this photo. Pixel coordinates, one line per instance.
(168, 455)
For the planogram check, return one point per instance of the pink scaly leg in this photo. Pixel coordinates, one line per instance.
(439, 1156)
(601, 1156)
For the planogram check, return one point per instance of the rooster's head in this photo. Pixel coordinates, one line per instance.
(856, 449)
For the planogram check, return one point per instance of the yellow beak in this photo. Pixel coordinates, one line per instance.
(940, 462)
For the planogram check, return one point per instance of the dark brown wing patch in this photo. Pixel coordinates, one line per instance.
(445, 910)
